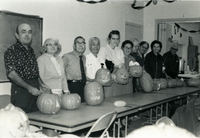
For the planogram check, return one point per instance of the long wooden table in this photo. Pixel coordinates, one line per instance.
(73, 120)
(180, 91)
(83, 117)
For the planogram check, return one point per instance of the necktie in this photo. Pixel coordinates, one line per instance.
(82, 70)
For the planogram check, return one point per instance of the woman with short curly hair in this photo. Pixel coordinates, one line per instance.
(51, 68)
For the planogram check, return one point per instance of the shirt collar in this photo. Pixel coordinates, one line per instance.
(93, 55)
(49, 55)
(77, 54)
(21, 46)
(111, 48)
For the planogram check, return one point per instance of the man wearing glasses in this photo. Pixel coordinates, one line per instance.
(139, 57)
(74, 66)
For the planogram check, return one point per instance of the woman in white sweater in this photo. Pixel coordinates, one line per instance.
(51, 67)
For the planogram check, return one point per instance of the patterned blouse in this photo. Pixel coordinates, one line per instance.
(22, 61)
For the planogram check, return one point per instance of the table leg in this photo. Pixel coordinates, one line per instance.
(156, 112)
(114, 129)
(151, 115)
(167, 105)
(118, 133)
(126, 127)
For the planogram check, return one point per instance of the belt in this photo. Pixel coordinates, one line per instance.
(74, 81)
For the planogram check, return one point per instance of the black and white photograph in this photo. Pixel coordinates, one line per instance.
(100, 68)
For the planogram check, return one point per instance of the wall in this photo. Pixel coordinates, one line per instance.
(67, 19)
(164, 10)
(185, 38)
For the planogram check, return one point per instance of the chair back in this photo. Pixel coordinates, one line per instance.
(165, 120)
(103, 123)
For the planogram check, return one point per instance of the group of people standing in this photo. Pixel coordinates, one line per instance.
(158, 66)
(30, 76)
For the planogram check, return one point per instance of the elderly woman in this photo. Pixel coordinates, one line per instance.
(93, 61)
(127, 47)
(153, 60)
(51, 67)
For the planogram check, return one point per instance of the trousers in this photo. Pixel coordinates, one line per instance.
(22, 98)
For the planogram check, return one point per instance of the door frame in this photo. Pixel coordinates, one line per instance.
(178, 20)
(135, 25)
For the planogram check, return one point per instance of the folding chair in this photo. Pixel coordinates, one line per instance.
(103, 123)
(165, 120)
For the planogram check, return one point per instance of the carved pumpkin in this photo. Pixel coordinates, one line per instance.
(179, 83)
(146, 82)
(192, 82)
(171, 83)
(163, 83)
(156, 84)
(13, 122)
(121, 76)
(103, 76)
(71, 101)
(136, 71)
(49, 103)
(93, 93)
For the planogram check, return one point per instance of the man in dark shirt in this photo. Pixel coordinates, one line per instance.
(171, 62)
(22, 69)
(139, 57)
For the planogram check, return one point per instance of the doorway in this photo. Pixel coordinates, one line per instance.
(187, 32)
(133, 30)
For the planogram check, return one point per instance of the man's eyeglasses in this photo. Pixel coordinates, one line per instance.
(81, 43)
(56, 44)
(146, 48)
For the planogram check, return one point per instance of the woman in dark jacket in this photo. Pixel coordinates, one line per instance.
(153, 60)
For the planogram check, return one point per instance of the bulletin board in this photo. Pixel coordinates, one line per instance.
(8, 23)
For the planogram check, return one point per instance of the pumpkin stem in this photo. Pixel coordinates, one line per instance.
(102, 65)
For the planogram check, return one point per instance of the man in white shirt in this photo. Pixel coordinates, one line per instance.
(93, 61)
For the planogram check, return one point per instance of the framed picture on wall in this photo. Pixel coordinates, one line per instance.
(8, 24)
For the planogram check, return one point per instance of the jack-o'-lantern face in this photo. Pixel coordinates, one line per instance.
(136, 71)
(103, 76)
(122, 76)
(93, 93)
